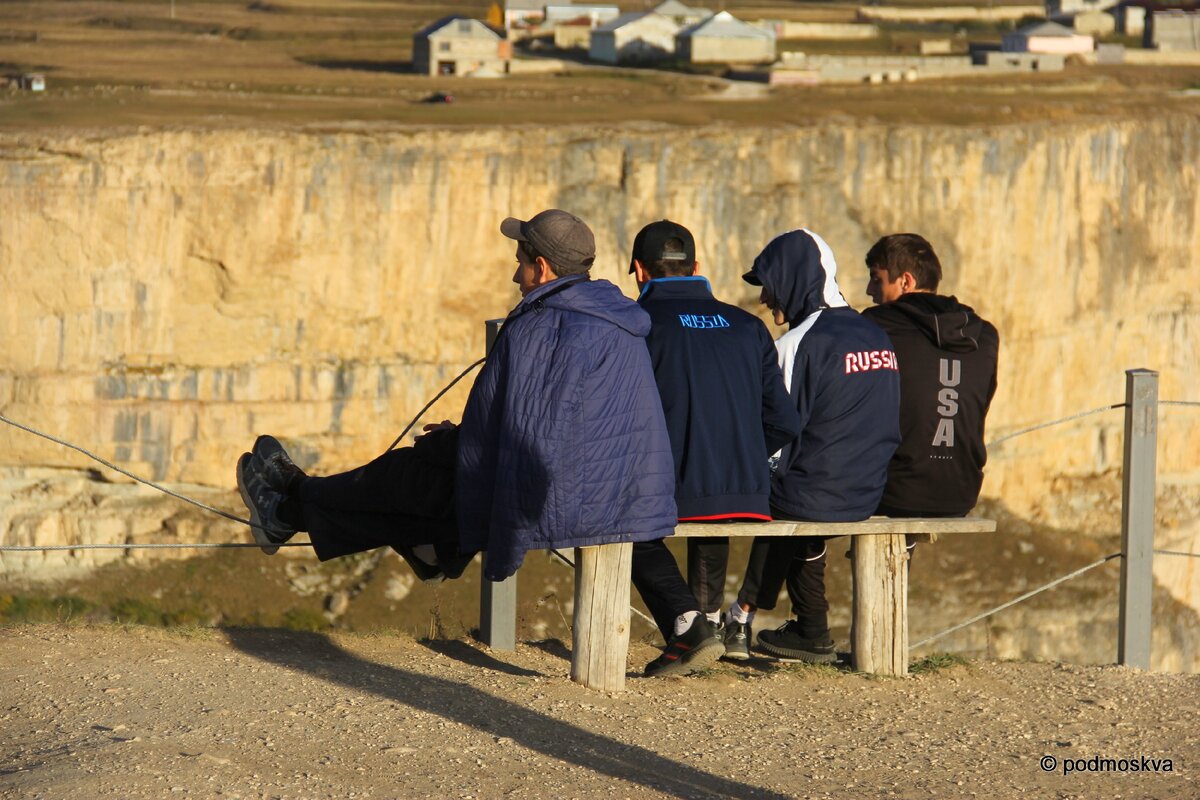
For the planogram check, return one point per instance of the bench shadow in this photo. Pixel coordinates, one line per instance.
(552, 647)
(316, 654)
(461, 651)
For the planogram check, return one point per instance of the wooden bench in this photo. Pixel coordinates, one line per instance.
(879, 616)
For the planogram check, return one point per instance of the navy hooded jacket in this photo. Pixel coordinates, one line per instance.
(563, 442)
(723, 396)
(841, 372)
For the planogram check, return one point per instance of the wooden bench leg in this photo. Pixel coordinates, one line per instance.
(879, 627)
(600, 635)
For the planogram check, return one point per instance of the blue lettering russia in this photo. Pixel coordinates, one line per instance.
(703, 321)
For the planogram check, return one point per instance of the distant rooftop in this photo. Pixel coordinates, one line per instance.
(724, 25)
(1046, 29)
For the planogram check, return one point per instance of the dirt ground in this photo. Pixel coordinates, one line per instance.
(132, 712)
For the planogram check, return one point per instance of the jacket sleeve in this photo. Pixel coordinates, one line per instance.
(780, 420)
(805, 386)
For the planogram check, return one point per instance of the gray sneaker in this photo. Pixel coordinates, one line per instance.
(263, 503)
(277, 467)
(738, 636)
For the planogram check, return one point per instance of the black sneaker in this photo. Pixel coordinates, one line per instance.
(786, 641)
(263, 502)
(425, 570)
(691, 651)
(738, 636)
(277, 467)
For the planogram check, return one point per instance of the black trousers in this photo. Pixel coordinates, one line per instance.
(707, 564)
(658, 580)
(798, 562)
(399, 499)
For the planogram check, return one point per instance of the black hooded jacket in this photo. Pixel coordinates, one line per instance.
(841, 373)
(947, 356)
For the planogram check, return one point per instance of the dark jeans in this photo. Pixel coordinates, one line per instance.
(658, 580)
(798, 561)
(399, 499)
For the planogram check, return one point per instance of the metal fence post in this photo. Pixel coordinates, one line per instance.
(1137, 517)
(497, 601)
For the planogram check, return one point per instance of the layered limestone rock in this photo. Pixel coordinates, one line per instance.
(166, 296)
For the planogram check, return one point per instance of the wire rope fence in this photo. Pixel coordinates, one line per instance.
(498, 600)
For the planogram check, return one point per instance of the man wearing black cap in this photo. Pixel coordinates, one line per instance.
(562, 442)
(727, 411)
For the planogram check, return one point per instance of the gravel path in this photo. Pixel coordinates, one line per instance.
(107, 711)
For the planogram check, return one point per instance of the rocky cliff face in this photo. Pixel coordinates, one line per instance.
(165, 296)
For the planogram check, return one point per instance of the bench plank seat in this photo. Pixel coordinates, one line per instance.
(879, 525)
(879, 616)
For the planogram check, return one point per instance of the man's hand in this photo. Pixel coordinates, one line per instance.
(436, 426)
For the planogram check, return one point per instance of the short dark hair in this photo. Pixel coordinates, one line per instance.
(531, 254)
(671, 267)
(907, 252)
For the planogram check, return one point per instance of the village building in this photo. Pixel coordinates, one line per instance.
(725, 39)
(1065, 9)
(1047, 37)
(1172, 30)
(596, 15)
(522, 13)
(458, 45)
(573, 34)
(637, 38)
(1094, 23)
(681, 14)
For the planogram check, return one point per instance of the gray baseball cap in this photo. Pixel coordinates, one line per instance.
(563, 239)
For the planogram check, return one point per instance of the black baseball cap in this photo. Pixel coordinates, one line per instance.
(648, 244)
(562, 238)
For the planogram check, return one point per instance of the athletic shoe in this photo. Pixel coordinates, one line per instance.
(427, 571)
(263, 502)
(280, 472)
(691, 651)
(737, 636)
(786, 641)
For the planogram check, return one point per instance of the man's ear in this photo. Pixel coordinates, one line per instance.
(543, 272)
(641, 273)
(696, 268)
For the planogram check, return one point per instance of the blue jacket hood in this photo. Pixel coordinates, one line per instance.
(596, 298)
(798, 269)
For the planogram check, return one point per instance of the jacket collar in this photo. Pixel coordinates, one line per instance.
(681, 286)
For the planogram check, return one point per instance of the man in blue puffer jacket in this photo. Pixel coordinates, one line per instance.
(562, 443)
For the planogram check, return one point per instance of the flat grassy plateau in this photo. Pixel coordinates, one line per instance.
(220, 63)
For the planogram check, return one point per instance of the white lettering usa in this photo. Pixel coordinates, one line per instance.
(949, 375)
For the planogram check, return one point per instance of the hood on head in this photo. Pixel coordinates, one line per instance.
(798, 269)
(597, 298)
(947, 323)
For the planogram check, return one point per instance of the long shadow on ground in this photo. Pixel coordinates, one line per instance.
(316, 654)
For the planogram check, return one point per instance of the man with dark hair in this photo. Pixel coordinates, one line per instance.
(562, 442)
(947, 357)
(727, 410)
(841, 373)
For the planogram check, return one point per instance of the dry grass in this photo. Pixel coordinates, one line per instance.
(113, 63)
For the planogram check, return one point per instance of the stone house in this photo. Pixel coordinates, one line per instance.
(725, 39)
(1047, 37)
(1172, 30)
(636, 38)
(458, 45)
